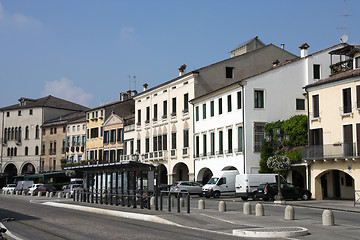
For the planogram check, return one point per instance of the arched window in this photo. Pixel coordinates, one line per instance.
(5, 135)
(12, 152)
(15, 151)
(9, 134)
(37, 132)
(36, 150)
(12, 133)
(16, 133)
(26, 151)
(8, 152)
(27, 132)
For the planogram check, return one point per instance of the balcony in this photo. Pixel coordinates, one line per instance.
(331, 151)
(342, 66)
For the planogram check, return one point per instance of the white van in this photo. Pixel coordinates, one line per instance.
(24, 185)
(246, 184)
(221, 185)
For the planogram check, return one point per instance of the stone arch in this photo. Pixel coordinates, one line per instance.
(10, 171)
(162, 174)
(334, 184)
(27, 169)
(180, 172)
(204, 175)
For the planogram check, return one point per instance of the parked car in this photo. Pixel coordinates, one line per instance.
(70, 188)
(33, 187)
(9, 187)
(186, 186)
(44, 189)
(269, 191)
(24, 185)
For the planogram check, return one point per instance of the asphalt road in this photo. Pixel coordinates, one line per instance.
(36, 221)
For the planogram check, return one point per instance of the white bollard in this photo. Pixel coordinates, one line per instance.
(201, 204)
(328, 218)
(51, 194)
(259, 210)
(39, 194)
(182, 202)
(23, 193)
(67, 195)
(47, 194)
(247, 208)
(152, 201)
(289, 213)
(222, 206)
(59, 194)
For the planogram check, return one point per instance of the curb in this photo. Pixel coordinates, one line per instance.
(136, 216)
(277, 232)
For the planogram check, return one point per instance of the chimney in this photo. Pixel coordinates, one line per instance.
(124, 96)
(145, 87)
(134, 92)
(182, 70)
(304, 50)
(282, 46)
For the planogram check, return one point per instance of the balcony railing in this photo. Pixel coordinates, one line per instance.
(336, 150)
(342, 66)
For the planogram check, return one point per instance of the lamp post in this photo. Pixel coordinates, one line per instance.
(278, 163)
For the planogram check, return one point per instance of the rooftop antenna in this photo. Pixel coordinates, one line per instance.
(132, 79)
(344, 38)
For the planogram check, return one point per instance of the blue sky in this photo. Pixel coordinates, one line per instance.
(85, 50)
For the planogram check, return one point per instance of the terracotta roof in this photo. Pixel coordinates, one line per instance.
(49, 101)
(337, 77)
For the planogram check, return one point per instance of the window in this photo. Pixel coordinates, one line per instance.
(229, 103)
(120, 134)
(106, 137)
(36, 150)
(186, 138)
(357, 62)
(147, 145)
(173, 140)
(101, 131)
(259, 98)
(159, 138)
(240, 139)
(204, 111)
(94, 133)
(258, 137)
(26, 151)
(164, 141)
(138, 146)
(78, 128)
(64, 129)
(197, 113)
(239, 100)
(87, 116)
(186, 102)
(211, 108)
(212, 143)
(139, 117)
(155, 112)
(358, 96)
(55, 130)
(164, 109)
(230, 145)
(19, 113)
(220, 106)
(315, 104)
(229, 72)
(347, 107)
(37, 132)
(173, 107)
(221, 149)
(204, 145)
(7, 114)
(197, 146)
(316, 68)
(102, 113)
(300, 104)
(147, 120)
(30, 112)
(155, 142)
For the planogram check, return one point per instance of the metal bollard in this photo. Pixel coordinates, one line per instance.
(201, 204)
(222, 206)
(169, 202)
(259, 210)
(328, 218)
(247, 208)
(289, 213)
(188, 203)
(178, 203)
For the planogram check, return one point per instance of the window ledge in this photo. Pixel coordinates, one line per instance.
(317, 119)
(344, 115)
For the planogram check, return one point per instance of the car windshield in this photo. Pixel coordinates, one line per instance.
(213, 180)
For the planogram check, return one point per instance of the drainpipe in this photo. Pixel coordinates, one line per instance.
(308, 165)
(2, 147)
(243, 116)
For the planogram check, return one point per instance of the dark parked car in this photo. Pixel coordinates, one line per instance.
(269, 191)
(185, 186)
(44, 189)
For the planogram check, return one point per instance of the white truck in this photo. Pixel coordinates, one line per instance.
(247, 184)
(221, 185)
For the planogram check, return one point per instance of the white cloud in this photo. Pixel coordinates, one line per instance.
(17, 20)
(66, 89)
(126, 32)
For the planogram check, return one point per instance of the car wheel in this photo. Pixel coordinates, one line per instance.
(305, 196)
(255, 198)
(216, 194)
(244, 198)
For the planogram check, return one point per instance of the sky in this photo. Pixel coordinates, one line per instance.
(89, 51)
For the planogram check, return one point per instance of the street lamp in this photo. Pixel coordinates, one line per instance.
(277, 146)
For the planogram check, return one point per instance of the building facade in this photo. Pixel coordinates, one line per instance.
(332, 157)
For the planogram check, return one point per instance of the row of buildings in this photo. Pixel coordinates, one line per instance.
(204, 121)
